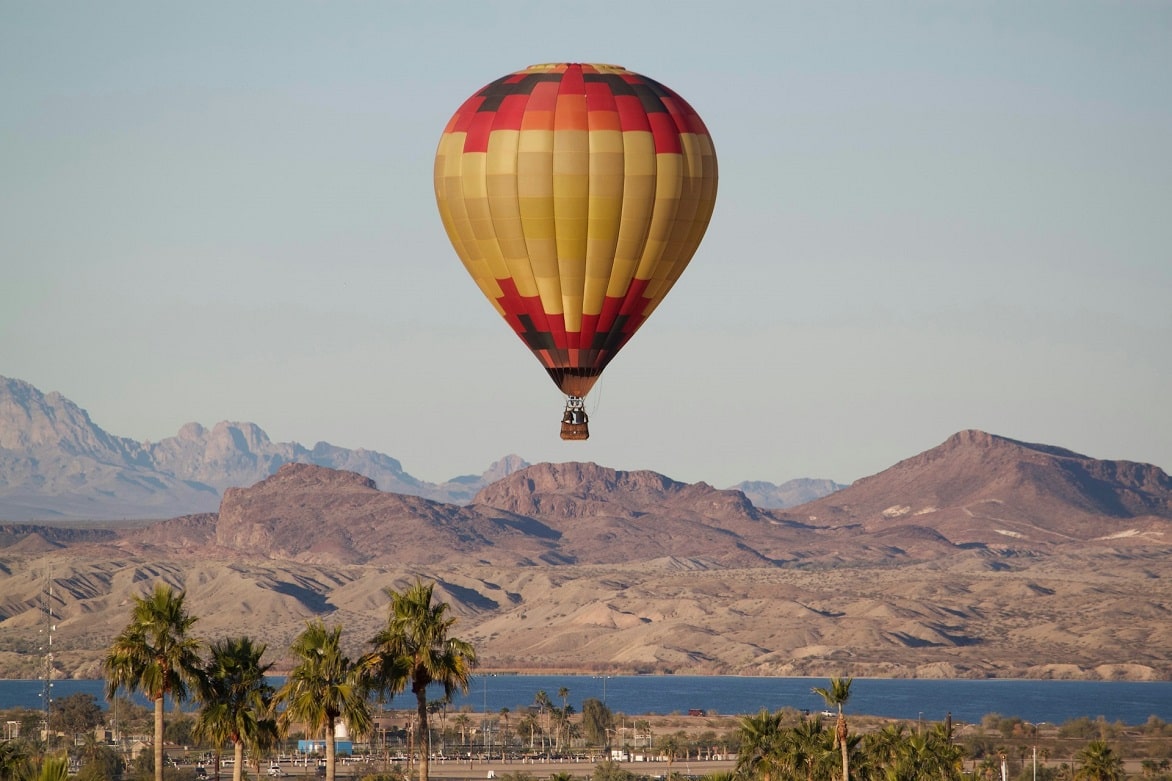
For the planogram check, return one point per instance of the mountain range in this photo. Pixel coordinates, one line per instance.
(982, 557)
(57, 464)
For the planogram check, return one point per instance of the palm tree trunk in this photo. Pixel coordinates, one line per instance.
(424, 742)
(331, 750)
(159, 738)
(238, 760)
(840, 735)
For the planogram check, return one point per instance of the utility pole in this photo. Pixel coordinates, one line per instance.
(1035, 726)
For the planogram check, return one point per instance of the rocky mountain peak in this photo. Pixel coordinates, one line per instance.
(310, 477)
(33, 421)
(556, 492)
(504, 467)
(978, 486)
(576, 479)
(189, 432)
(983, 441)
(770, 496)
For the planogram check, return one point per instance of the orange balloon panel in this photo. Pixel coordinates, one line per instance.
(575, 195)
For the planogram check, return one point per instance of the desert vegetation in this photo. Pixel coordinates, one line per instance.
(226, 707)
(159, 656)
(716, 747)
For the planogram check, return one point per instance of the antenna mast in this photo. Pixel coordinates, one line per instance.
(50, 627)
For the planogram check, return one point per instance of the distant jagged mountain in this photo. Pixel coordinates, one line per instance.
(791, 493)
(56, 463)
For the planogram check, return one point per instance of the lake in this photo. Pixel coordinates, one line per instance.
(968, 700)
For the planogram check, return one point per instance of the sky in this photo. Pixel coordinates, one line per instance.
(931, 217)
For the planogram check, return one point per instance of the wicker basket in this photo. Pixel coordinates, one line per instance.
(575, 430)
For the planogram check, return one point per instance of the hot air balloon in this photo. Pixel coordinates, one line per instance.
(575, 195)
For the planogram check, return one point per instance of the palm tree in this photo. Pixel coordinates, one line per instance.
(53, 769)
(805, 750)
(322, 688)
(926, 755)
(440, 707)
(573, 732)
(463, 722)
(642, 727)
(528, 723)
(669, 746)
(237, 699)
(217, 733)
(544, 704)
(760, 752)
(1099, 763)
(561, 723)
(414, 647)
(564, 693)
(155, 655)
(97, 760)
(836, 696)
(15, 761)
(988, 768)
(564, 717)
(899, 754)
(885, 744)
(504, 732)
(947, 757)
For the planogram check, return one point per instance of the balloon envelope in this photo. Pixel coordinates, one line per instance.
(575, 194)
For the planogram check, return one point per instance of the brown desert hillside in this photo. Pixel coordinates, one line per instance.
(319, 515)
(607, 516)
(981, 557)
(985, 489)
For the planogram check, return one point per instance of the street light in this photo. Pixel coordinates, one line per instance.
(485, 734)
(1035, 728)
(603, 677)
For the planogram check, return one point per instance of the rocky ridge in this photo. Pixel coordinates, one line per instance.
(580, 567)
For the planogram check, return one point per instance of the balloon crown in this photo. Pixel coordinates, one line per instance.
(556, 66)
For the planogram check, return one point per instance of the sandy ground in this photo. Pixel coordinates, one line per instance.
(478, 770)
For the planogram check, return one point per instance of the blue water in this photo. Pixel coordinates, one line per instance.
(968, 700)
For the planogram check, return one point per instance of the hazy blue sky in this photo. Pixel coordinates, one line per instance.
(932, 217)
